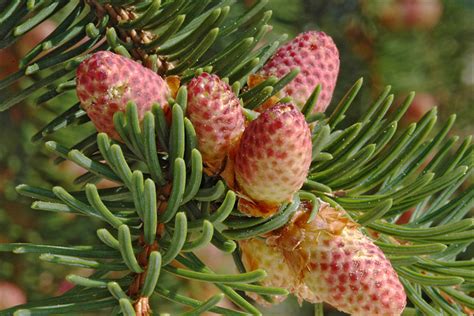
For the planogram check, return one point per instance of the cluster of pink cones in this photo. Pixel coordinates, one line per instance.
(266, 161)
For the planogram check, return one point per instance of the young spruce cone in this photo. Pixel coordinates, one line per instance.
(106, 82)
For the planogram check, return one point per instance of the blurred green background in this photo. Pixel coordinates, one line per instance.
(421, 45)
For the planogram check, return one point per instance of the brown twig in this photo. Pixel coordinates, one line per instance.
(136, 37)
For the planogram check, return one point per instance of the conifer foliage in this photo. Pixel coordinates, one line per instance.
(165, 82)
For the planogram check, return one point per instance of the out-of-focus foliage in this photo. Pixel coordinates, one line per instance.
(22, 160)
(426, 45)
